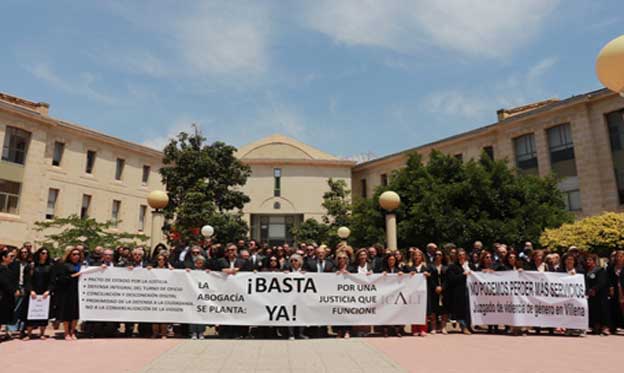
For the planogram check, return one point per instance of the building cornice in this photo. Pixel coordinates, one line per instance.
(299, 162)
(517, 119)
(78, 129)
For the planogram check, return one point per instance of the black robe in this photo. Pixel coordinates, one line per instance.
(8, 287)
(438, 301)
(41, 281)
(67, 293)
(597, 288)
(458, 290)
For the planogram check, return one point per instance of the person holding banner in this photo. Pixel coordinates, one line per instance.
(486, 264)
(342, 267)
(296, 266)
(596, 286)
(457, 274)
(231, 264)
(67, 291)
(437, 293)
(199, 264)
(391, 266)
(416, 265)
(160, 330)
(570, 267)
(41, 281)
(8, 290)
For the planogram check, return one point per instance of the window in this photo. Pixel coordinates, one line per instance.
(364, 187)
(384, 179)
(526, 155)
(489, 151)
(115, 212)
(85, 209)
(615, 122)
(52, 197)
(90, 161)
(15, 145)
(146, 173)
(459, 157)
(561, 150)
(119, 168)
(9, 196)
(142, 214)
(59, 148)
(572, 200)
(277, 175)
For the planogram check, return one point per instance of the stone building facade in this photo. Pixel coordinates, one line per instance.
(579, 139)
(50, 167)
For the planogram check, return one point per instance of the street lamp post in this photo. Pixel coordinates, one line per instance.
(610, 65)
(207, 231)
(157, 200)
(390, 201)
(343, 233)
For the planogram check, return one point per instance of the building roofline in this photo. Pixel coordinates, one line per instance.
(313, 162)
(555, 105)
(46, 119)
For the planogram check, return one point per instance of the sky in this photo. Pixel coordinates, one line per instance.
(350, 77)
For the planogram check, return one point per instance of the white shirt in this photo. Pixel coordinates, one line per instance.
(363, 269)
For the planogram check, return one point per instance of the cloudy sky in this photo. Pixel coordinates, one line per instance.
(347, 76)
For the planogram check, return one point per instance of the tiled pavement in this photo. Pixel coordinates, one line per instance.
(231, 356)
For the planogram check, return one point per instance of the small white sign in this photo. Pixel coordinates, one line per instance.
(39, 308)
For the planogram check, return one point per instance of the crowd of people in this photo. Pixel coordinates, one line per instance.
(26, 274)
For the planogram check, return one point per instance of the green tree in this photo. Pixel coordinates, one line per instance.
(203, 183)
(447, 200)
(337, 204)
(600, 234)
(72, 230)
(311, 230)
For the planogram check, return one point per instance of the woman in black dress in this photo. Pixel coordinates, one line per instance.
(597, 289)
(8, 290)
(67, 291)
(40, 286)
(457, 274)
(615, 275)
(437, 293)
(391, 265)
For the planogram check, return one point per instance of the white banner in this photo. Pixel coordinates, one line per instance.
(247, 298)
(544, 299)
(38, 308)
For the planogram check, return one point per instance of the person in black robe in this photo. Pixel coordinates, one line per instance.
(41, 284)
(22, 268)
(615, 276)
(457, 274)
(391, 266)
(596, 286)
(437, 285)
(8, 290)
(67, 291)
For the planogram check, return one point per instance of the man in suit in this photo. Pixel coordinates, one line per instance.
(232, 264)
(255, 259)
(318, 263)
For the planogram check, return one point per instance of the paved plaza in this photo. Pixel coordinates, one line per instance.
(452, 353)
